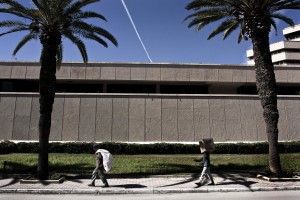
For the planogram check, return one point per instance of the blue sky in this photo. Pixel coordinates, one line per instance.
(162, 30)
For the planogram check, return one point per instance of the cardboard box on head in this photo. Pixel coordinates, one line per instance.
(207, 144)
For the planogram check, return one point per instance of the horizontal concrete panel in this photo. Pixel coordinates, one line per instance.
(225, 75)
(251, 78)
(168, 74)
(93, 73)
(293, 76)
(197, 74)
(182, 74)
(78, 72)
(149, 72)
(239, 75)
(153, 74)
(123, 73)
(18, 72)
(64, 72)
(138, 73)
(211, 74)
(33, 72)
(108, 73)
(5, 71)
(281, 76)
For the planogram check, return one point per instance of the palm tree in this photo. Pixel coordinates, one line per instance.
(49, 21)
(254, 19)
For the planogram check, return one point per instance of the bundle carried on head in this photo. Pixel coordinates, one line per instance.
(207, 144)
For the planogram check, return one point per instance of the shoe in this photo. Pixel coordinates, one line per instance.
(106, 185)
(91, 184)
(212, 183)
(198, 183)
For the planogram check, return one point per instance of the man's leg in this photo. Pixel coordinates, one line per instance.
(203, 177)
(210, 176)
(94, 177)
(102, 177)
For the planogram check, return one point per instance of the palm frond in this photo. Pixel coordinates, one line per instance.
(26, 39)
(97, 39)
(10, 23)
(287, 20)
(232, 28)
(86, 15)
(248, 15)
(18, 29)
(83, 26)
(17, 9)
(222, 27)
(199, 4)
(80, 45)
(42, 10)
(75, 7)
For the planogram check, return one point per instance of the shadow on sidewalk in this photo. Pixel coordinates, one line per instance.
(236, 178)
(229, 178)
(12, 182)
(130, 186)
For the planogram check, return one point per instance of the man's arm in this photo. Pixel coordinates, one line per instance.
(198, 159)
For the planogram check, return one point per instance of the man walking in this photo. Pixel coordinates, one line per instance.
(206, 146)
(99, 169)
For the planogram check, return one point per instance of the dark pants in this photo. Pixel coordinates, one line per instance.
(99, 173)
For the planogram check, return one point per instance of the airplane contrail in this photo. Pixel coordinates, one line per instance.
(137, 33)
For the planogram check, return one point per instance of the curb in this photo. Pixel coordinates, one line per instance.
(143, 191)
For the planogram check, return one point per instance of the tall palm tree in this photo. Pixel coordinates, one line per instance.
(254, 19)
(49, 21)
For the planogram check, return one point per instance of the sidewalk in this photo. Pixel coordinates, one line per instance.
(228, 182)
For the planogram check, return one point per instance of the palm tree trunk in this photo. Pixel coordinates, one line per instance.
(47, 95)
(266, 88)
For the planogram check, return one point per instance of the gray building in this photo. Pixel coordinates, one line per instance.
(138, 102)
(284, 52)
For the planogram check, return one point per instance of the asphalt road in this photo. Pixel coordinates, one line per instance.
(272, 195)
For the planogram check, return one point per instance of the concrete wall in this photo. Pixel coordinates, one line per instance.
(143, 118)
(165, 72)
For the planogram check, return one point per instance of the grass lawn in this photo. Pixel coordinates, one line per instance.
(61, 163)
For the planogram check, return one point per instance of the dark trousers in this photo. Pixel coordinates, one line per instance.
(99, 173)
